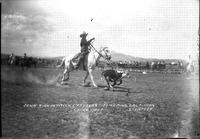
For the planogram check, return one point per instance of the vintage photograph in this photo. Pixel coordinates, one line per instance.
(100, 69)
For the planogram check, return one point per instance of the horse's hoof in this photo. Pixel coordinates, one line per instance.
(63, 83)
(86, 84)
(95, 86)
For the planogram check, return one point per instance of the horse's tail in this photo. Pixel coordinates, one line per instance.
(62, 63)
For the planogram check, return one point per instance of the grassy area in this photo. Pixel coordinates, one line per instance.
(153, 108)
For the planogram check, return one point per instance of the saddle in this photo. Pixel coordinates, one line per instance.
(83, 64)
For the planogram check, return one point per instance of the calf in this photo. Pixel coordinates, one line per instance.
(114, 76)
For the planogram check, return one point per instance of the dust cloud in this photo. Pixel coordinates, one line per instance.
(23, 76)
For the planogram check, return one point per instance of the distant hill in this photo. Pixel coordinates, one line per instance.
(123, 57)
(116, 56)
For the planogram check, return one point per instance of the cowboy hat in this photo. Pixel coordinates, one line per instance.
(83, 34)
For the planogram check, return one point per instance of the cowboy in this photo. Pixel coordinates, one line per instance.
(84, 48)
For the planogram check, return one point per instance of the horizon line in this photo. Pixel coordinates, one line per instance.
(113, 51)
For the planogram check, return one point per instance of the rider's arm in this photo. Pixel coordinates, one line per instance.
(91, 40)
(84, 42)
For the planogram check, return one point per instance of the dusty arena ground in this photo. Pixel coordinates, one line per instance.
(158, 105)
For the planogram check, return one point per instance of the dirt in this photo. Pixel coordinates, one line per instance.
(158, 105)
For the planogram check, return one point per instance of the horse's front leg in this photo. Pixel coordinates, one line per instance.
(91, 76)
(67, 75)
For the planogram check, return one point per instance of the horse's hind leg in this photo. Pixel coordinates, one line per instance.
(86, 76)
(64, 73)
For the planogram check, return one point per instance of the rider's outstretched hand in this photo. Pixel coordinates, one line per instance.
(91, 40)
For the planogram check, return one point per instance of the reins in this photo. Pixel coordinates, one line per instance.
(99, 52)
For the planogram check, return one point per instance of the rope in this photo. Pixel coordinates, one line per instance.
(96, 50)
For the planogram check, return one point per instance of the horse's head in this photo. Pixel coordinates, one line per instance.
(105, 52)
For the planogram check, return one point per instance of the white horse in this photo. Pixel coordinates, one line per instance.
(90, 63)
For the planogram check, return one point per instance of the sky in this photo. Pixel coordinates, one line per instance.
(166, 29)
